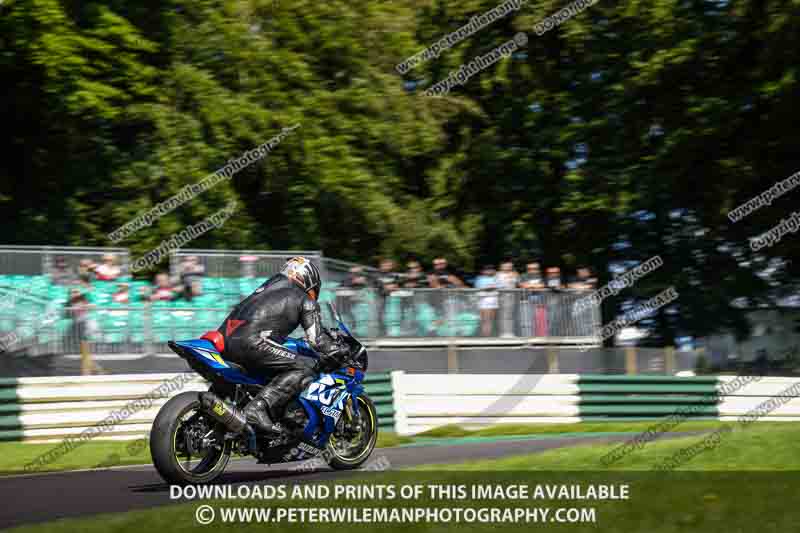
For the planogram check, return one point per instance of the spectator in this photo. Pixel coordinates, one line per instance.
(61, 274)
(248, 265)
(86, 273)
(122, 294)
(534, 309)
(356, 278)
(532, 278)
(442, 276)
(77, 309)
(553, 279)
(191, 271)
(487, 302)
(107, 270)
(507, 279)
(446, 304)
(583, 281)
(347, 297)
(414, 277)
(190, 292)
(585, 318)
(387, 282)
(557, 309)
(144, 294)
(162, 290)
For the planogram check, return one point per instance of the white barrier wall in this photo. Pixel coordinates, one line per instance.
(51, 408)
(768, 398)
(427, 401)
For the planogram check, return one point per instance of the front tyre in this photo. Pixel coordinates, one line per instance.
(353, 441)
(187, 445)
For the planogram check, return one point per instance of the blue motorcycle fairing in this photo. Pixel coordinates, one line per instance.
(323, 399)
(300, 346)
(205, 352)
(326, 396)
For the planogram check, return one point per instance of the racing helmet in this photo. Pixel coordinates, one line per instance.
(304, 273)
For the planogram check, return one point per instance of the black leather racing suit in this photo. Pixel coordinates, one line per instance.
(255, 329)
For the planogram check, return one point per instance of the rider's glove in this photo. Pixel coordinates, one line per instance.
(335, 357)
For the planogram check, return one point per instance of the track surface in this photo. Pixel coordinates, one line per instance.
(43, 497)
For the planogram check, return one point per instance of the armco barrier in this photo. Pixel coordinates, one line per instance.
(426, 401)
(52, 408)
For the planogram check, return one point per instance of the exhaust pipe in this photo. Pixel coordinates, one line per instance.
(228, 416)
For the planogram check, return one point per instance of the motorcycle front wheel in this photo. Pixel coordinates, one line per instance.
(353, 441)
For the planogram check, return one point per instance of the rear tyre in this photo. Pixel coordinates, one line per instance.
(188, 446)
(353, 441)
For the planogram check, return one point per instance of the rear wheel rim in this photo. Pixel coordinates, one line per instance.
(190, 443)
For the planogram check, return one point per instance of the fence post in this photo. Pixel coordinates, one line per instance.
(398, 403)
(552, 360)
(630, 360)
(147, 320)
(452, 358)
(669, 360)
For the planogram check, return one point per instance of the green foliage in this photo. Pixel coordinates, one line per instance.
(628, 131)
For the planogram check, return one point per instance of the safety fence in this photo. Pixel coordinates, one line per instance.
(236, 273)
(53, 408)
(426, 401)
(39, 261)
(49, 325)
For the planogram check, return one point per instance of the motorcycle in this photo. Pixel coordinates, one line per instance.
(195, 433)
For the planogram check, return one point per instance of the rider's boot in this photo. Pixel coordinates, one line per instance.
(271, 400)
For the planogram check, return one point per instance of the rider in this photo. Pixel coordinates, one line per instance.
(255, 330)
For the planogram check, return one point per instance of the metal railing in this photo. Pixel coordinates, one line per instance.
(236, 273)
(404, 314)
(337, 271)
(468, 313)
(39, 260)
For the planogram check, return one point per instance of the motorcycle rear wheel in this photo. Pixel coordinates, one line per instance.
(182, 430)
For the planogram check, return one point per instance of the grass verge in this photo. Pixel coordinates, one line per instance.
(103, 454)
(705, 500)
(764, 446)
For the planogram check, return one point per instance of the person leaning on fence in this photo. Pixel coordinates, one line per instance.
(60, 274)
(349, 294)
(534, 323)
(555, 314)
(86, 273)
(191, 277)
(122, 294)
(507, 279)
(162, 290)
(413, 278)
(386, 282)
(443, 277)
(487, 299)
(77, 309)
(582, 282)
(107, 270)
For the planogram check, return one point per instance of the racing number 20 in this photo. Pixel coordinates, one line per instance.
(318, 391)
